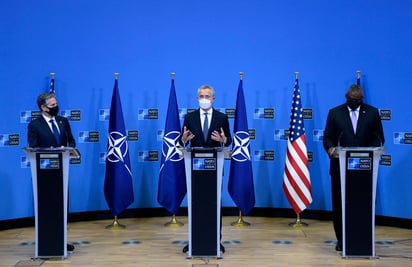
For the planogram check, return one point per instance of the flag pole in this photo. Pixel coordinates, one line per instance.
(240, 221)
(51, 84)
(173, 221)
(115, 225)
(358, 78)
(298, 222)
(241, 75)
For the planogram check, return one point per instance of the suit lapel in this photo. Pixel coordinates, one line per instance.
(361, 118)
(346, 116)
(46, 126)
(60, 125)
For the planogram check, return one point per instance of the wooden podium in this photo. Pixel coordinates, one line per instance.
(50, 175)
(204, 169)
(359, 173)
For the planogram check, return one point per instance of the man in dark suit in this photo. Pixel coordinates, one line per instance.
(50, 130)
(206, 127)
(218, 133)
(40, 130)
(353, 124)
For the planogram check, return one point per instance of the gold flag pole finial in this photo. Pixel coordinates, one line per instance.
(296, 74)
(173, 75)
(358, 72)
(116, 75)
(241, 75)
(52, 75)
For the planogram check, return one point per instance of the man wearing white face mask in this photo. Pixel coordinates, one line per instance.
(206, 126)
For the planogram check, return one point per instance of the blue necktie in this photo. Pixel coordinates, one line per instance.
(55, 132)
(205, 126)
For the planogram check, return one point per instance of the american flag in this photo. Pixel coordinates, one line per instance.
(51, 90)
(296, 178)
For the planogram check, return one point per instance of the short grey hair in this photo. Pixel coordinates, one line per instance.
(206, 86)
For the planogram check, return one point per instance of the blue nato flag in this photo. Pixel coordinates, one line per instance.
(118, 185)
(172, 177)
(241, 187)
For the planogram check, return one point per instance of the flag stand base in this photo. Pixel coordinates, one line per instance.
(240, 221)
(298, 222)
(174, 223)
(115, 225)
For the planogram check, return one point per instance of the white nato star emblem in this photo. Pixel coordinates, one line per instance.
(240, 151)
(171, 147)
(117, 147)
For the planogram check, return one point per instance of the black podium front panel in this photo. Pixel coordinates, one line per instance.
(358, 206)
(50, 201)
(204, 203)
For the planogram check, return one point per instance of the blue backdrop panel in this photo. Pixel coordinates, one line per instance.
(84, 43)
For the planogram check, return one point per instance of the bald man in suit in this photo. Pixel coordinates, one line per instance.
(340, 131)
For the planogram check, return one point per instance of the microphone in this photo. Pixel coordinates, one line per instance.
(335, 152)
(339, 137)
(379, 139)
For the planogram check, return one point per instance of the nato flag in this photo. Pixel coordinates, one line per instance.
(241, 187)
(118, 186)
(172, 177)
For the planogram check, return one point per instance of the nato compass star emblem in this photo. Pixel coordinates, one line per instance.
(171, 147)
(118, 147)
(240, 151)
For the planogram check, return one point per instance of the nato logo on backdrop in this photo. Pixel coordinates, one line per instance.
(402, 138)
(9, 140)
(263, 155)
(148, 114)
(148, 155)
(25, 162)
(264, 113)
(281, 134)
(88, 136)
(104, 114)
(317, 135)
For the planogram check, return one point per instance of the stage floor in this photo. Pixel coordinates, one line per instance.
(148, 242)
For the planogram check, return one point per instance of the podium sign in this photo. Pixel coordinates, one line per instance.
(358, 172)
(204, 168)
(50, 171)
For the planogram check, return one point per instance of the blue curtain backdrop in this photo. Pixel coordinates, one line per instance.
(85, 42)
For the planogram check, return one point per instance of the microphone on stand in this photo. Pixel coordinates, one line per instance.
(340, 136)
(335, 152)
(380, 139)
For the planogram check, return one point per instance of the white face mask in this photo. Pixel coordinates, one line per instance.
(205, 103)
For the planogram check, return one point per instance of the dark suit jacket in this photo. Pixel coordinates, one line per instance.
(219, 120)
(40, 135)
(339, 131)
